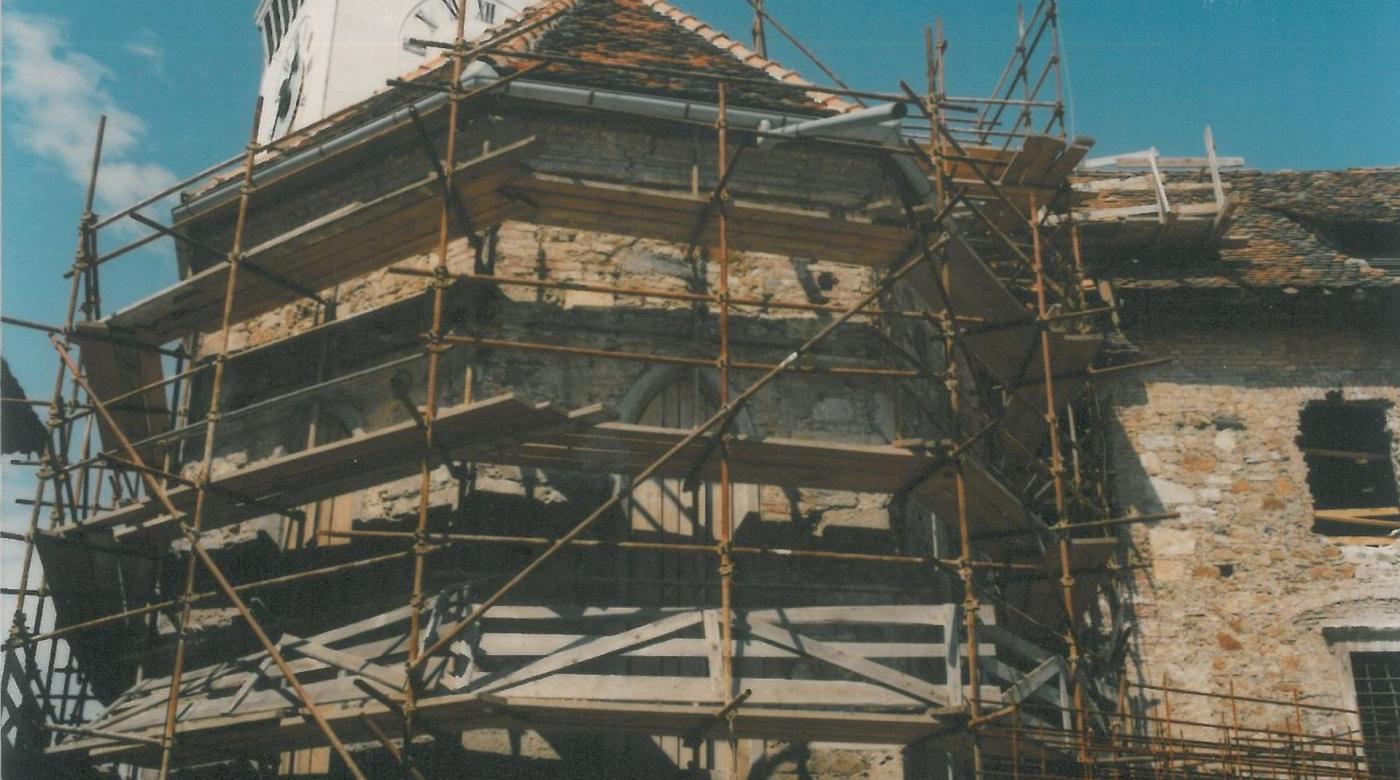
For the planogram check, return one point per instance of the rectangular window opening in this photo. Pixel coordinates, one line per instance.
(1377, 680)
(1348, 453)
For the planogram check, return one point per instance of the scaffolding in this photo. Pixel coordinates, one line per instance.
(979, 259)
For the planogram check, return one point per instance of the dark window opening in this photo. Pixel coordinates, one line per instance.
(1347, 450)
(1360, 238)
(1377, 680)
(1377, 241)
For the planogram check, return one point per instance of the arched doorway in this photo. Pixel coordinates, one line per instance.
(667, 510)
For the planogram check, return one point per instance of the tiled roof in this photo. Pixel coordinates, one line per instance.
(650, 33)
(656, 34)
(1277, 238)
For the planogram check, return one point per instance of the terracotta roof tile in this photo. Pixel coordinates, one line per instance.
(653, 33)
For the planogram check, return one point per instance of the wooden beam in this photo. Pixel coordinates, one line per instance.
(896, 680)
(597, 648)
(350, 662)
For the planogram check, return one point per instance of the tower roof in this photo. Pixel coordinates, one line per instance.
(601, 44)
(606, 37)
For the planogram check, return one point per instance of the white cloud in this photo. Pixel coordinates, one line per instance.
(59, 94)
(148, 48)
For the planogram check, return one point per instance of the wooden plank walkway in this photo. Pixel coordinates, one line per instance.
(349, 242)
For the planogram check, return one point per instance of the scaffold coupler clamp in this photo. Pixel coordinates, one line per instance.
(421, 546)
(442, 278)
(726, 567)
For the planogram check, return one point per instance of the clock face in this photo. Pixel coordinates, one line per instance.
(436, 20)
(291, 65)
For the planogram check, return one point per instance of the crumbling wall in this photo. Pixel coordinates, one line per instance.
(1239, 588)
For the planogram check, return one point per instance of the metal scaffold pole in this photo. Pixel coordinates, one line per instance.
(53, 464)
(1057, 472)
(1012, 443)
(197, 548)
(721, 416)
(234, 259)
(726, 496)
(434, 346)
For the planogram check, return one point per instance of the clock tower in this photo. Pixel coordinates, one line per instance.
(323, 55)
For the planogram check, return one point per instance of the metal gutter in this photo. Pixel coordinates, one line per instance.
(878, 124)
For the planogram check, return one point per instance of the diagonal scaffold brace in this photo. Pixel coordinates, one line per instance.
(197, 549)
(451, 632)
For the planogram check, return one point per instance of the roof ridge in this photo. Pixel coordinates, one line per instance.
(526, 40)
(742, 53)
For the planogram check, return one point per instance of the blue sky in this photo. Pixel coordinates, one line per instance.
(1285, 84)
(1299, 85)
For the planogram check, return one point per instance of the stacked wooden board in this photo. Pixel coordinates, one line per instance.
(669, 215)
(1032, 174)
(625, 449)
(343, 466)
(567, 669)
(507, 431)
(1117, 213)
(349, 242)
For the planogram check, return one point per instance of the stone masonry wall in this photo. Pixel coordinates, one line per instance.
(1239, 588)
(842, 408)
